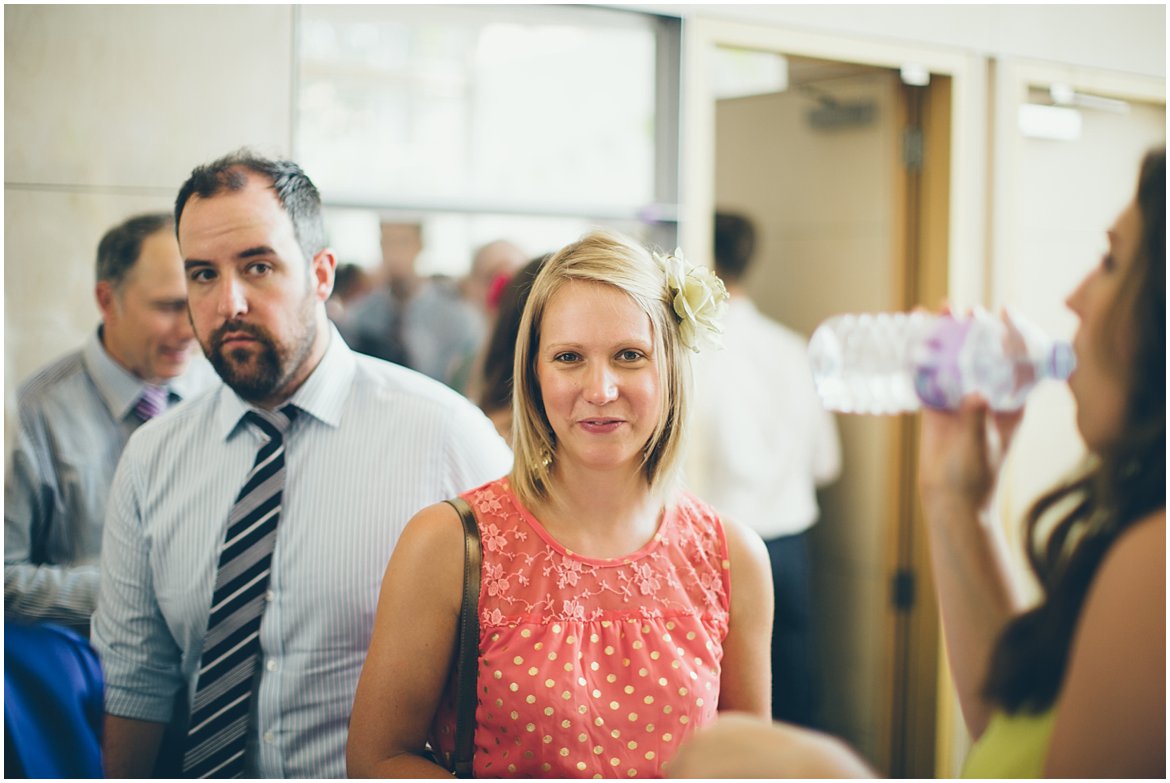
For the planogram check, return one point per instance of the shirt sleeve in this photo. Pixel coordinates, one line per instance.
(37, 590)
(140, 658)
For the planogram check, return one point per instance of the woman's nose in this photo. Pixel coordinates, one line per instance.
(601, 386)
(1075, 299)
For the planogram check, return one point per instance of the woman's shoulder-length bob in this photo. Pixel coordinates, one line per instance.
(610, 259)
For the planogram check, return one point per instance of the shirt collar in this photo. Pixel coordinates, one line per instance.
(322, 395)
(118, 387)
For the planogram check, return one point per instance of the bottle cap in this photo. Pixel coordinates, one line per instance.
(1061, 361)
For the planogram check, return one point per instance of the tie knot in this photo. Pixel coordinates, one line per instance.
(152, 402)
(274, 423)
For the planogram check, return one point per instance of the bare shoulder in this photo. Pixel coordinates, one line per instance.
(1136, 560)
(1132, 576)
(743, 543)
(1145, 538)
(1111, 718)
(426, 567)
(433, 539)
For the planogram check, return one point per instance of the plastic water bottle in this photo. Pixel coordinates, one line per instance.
(897, 362)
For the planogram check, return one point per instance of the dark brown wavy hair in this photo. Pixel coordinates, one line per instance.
(1121, 485)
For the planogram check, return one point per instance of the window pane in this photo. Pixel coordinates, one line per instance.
(530, 108)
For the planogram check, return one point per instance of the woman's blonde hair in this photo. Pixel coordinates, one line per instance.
(609, 259)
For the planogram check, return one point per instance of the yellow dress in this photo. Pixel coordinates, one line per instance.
(1012, 746)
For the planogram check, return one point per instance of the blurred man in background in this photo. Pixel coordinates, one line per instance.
(419, 322)
(76, 414)
(763, 445)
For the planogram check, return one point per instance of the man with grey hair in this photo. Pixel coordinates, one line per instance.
(75, 415)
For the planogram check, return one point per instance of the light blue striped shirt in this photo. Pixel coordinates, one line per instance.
(373, 444)
(74, 417)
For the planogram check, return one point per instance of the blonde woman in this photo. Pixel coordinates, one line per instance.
(617, 612)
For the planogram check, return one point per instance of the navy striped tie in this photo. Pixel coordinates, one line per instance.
(217, 732)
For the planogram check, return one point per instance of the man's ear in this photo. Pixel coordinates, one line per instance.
(106, 300)
(323, 268)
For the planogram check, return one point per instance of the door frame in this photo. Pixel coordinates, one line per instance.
(1011, 80)
(969, 136)
(965, 280)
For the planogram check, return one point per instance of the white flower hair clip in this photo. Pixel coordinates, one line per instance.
(698, 296)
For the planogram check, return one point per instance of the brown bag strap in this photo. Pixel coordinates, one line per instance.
(467, 663)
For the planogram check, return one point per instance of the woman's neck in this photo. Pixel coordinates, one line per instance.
(603, 514)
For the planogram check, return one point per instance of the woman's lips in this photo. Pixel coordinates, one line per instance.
(600, 426)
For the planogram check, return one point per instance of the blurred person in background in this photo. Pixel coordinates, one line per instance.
(416, 321)
(492, 266)
(75, 415)
(763, 444)
(492, 389)
(350, 284)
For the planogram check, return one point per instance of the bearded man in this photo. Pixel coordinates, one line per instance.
(239, 616)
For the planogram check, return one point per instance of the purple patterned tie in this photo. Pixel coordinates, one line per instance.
(152, 402)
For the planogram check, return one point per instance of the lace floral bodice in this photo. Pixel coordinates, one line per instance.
(591, 667)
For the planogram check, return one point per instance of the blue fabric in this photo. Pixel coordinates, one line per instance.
(52, 703)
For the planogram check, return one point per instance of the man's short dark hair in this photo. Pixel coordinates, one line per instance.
(735, 243)
(295, 191)
(122, 245)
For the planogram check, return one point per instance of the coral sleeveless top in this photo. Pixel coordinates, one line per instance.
(589, 667)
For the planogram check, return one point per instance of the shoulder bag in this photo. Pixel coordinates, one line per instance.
(467, 647)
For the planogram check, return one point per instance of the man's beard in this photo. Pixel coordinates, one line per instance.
(259, 375)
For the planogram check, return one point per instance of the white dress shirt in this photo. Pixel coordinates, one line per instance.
(372, 444)
(762, 441)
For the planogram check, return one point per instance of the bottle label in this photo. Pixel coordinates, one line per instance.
(938, 377)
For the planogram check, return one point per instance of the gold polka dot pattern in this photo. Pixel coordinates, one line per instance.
(589, 667)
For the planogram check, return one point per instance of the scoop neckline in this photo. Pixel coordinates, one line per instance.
(667, 517)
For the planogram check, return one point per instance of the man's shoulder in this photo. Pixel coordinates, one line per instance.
(766, 327)
(379, 378)
(387, 395)
(61, 376)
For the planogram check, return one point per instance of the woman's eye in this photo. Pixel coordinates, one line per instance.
(630, 355)
(567, 356)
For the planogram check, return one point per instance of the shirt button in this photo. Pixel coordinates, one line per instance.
(272, 665)
(269, 596)
(269, 737)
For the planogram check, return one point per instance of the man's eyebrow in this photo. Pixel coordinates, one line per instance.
(252, 252)
(259, 250)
